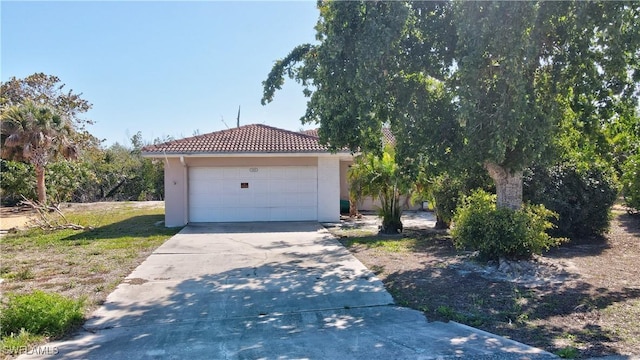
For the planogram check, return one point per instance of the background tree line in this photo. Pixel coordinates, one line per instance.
(45, 142)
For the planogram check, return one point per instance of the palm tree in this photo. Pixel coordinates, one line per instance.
(380, 177)
(38, 135)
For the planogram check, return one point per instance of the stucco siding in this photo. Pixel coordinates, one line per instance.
(175, 200)
(328, 189)
(344, 182)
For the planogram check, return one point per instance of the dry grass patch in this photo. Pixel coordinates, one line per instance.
(83, 264)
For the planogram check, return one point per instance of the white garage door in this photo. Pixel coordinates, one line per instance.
(234, 194)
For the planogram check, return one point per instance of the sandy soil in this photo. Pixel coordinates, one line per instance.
(14, 218)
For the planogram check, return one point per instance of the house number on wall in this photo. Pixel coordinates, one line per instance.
(253, 169)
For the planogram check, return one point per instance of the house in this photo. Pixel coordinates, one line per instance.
(367, 203)
(251, 173)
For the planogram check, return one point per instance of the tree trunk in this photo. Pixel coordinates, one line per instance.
(440, 223)
(40, 186)
(353, 208)
(391, 225)
(508, 186)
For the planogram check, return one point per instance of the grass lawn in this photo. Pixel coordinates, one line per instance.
(83, 264)
(589, 307)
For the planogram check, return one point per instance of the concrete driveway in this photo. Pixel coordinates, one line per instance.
(266, 291)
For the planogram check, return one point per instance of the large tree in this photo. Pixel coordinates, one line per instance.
(38, 135)
(514, 71)
(49, 90)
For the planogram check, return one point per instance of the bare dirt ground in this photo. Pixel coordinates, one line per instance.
(11, 218)
(583, 298)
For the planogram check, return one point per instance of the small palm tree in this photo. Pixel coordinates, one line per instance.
(380, 177)
(38, 135)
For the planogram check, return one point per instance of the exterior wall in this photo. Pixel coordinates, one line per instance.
(328, 189)
(368, 203)
(175, 193)
(344, 183)
(372, 204)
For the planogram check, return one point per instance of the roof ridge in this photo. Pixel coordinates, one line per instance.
(246, 138)
(297, 133)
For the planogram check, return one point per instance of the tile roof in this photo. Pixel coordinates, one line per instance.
(254, 138)
(310, 132)
(388, 137)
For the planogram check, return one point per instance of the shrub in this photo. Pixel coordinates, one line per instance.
(631, 182)
(40, 313)
(446, 192)
(16, 179)
(500, 232)
(14, 344)
(581, 197)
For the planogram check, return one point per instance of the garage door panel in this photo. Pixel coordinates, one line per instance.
(307, 186)
(206, 174)
(277, 173)
(207, 202)
(229, 186)
(310, 199)
(244, 202)
(308, 173)
(229, 199)
(279, 193)
(279, 186)
(230, 173)
(259, 186)
(283, 200)
(303, 212)
(261, 200)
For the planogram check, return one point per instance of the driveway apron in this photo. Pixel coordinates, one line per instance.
(266, 291)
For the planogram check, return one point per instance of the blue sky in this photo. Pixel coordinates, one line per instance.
(162, 68)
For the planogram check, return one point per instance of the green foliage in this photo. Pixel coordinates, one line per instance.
(16, 179)
(115, 173)
(40, 313)
(123, 174)
(446, 191)
(580, 195)
(478, 82)
(380, 177)
(499, 71)
(568, 352)
(15, 343)
(38, 135)
(631, 182)
(46, 90)
(40, 124)
(501, 232)
(65, 179)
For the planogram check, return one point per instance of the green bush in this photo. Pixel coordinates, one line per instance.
(631, 182)
(446, 191)
(498, 232)
(16, 179)
(40, 313)
(582, 197)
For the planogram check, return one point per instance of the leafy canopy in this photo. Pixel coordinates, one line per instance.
(513, 71)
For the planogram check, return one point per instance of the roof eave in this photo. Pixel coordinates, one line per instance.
(163, 155)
